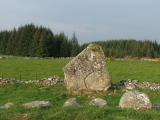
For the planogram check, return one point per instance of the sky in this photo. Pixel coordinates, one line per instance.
(91, 20)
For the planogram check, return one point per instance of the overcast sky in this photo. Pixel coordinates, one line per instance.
(92, 20)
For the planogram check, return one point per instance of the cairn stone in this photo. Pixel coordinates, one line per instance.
(71, 102)
(88, 70)
(37, 104)
(98, 101)
(136, 100)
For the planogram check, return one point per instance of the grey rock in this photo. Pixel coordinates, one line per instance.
(37, 104)
(136, 100)
(98, 101)
(119, 84)
(88, 70)
(71, 102)
(7, 105)
(130, 85)
(156, 105)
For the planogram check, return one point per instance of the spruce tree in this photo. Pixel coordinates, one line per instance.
(74, 45)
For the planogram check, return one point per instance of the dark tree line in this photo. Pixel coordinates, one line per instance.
(38, 41)
(35, 41)
(133, 48)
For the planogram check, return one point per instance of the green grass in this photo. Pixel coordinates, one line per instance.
(29, 69)
(140, 70)
(57, 94)
(22, 93)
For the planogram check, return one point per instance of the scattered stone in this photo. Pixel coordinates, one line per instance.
(25, 115)
(115, 91)
(6, 106)
(88, 70)
(98, 101)
(37, 104)
(1, 57)
(136, 100)
(71, 102)
(156, 105)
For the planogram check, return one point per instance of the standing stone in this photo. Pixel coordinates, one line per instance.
(88, 70)
(136, 100)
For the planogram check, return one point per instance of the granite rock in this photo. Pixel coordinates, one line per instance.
(88, 70)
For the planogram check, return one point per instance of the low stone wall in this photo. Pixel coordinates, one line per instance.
(127, 83)
(132, 84)
(45, 81)
(9, 81)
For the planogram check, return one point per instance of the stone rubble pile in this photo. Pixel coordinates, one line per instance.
(131, 84)
(9, 81)
(45, 81)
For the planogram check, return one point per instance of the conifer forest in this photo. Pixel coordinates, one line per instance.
(38, 41)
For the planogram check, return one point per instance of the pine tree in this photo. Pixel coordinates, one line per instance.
(74, 45)
(4, 36)
(10, 45)
(63, 46)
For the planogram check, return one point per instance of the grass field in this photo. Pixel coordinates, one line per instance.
(57, 94)
(28, 69)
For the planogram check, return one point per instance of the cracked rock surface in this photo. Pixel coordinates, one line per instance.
(88, 70)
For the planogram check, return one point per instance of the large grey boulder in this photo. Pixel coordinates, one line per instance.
(71, 102)
(98, 101)
(88, 70)
(136, 100)
(37, 104)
